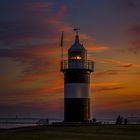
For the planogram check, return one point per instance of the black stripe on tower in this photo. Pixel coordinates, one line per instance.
(76, 76)
(77, 109)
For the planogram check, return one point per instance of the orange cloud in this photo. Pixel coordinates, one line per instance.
(46, 92)
(99, 48)
(117, 62)
(108, 73)
(101, 87)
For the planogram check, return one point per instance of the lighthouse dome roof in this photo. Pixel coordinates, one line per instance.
(77, 46)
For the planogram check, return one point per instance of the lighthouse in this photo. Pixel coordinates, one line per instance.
(77, 70)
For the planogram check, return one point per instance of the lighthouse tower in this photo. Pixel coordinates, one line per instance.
(77, 70)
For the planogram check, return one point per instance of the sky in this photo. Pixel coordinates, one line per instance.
(31, 84)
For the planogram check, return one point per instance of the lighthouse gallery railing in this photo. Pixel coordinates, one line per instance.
(77, 64)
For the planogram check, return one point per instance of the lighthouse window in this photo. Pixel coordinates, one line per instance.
(76, 57)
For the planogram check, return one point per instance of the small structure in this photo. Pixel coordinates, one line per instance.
(43, 122)
(133, 120)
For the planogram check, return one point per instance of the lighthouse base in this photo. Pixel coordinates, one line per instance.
(76, 110)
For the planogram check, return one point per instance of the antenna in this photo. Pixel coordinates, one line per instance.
(76, 30)
(61, 44)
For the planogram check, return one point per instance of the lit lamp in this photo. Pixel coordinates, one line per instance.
(76, 58)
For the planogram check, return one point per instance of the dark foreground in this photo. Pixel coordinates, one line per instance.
(98, 132)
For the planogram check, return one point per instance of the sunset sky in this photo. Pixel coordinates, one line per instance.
(31, 84)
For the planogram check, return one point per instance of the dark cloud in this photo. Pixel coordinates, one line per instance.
(127, 65)
(28, 29)
(25, 22)
(131, 4)
(131, 10)
(135, 49)
(135, 33)
(16, 53)
(135, 30)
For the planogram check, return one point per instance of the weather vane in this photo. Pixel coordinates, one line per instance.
(76, 30)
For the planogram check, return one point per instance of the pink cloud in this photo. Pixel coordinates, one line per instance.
(135, 33)
(136, 46)
(97, 48)
(62, 11)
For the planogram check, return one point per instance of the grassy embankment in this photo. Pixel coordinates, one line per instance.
(101, 132)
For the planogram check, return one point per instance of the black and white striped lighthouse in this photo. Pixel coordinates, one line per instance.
(77, 70)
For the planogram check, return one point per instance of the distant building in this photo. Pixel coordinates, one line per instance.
(77, 70)
(133, 120)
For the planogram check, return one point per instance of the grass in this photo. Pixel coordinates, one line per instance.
(98, 132)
